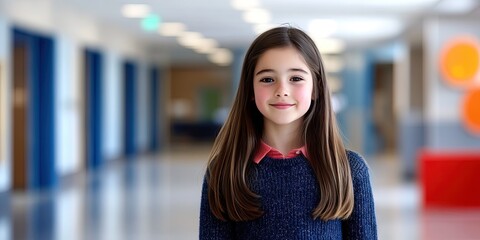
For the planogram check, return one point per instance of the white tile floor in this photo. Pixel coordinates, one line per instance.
(157, 197)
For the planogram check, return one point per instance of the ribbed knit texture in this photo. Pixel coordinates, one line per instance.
(289, 192)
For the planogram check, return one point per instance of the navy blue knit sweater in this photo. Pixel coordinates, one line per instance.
(289, 192)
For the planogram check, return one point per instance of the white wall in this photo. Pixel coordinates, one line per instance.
(113, 106)
(69, 144)
(442, 100)
(5, 132)
(443, 103)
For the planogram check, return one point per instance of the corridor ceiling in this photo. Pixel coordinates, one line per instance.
(230, 24)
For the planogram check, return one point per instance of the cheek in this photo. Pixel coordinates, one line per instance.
(304, 97)
(261, 94)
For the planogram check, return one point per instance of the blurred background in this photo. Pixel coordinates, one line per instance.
(108, 109)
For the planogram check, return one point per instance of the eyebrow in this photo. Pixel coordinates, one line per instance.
(290, 70)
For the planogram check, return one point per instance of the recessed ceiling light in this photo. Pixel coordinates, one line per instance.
(398, 3)
(455, 6)
(221, 56)
(367, 27)
(135, 10)
(322, 27)
(172, 29)
(243, 5)
(189, 39)
(257, 16)
(205, 46)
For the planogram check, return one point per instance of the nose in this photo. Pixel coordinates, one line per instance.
(281, 91)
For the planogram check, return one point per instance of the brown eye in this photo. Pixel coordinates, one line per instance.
(296, 79)
(266, 80)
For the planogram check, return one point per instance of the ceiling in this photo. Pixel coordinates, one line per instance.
(357, 22)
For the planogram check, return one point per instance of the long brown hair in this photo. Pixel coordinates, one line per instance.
(229, 195)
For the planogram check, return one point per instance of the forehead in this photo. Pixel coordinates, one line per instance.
(282, 58)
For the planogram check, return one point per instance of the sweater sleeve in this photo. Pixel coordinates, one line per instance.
(210, 226)
(362, 223)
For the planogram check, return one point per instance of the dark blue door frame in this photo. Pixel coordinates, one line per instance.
(93, 87)
(41, 171)
(130, 78)
(154, 110)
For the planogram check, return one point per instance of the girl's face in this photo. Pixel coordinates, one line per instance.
(283, 86)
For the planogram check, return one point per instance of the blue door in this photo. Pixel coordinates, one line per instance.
(93, 98)
(130, 78)
(154, 110)
(35, 65)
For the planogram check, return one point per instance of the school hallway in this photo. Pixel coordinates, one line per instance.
(158, 197)
(99, 101)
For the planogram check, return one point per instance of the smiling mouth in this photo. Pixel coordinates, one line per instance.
(281, 105)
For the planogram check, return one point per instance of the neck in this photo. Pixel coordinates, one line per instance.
(283, 137)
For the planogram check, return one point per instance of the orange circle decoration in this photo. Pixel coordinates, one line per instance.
(471, 110)
(459, 60)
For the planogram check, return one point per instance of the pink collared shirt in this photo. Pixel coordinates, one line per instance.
(266, 150)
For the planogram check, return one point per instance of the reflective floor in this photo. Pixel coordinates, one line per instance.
(157, 197)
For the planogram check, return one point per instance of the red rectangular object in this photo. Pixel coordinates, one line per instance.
(450, 179)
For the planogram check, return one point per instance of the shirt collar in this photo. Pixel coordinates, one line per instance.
(264, 150)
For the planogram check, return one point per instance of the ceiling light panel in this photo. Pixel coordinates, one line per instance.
(172, 29)
(190, 39)
(221, 56)
(206, 46)
(367, 27)
(257, 16)
(135, 10)
(456, 6)
(243, 5)
(352, 4)
(322, 28)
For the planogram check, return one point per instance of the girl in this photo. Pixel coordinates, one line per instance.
(278, 168)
